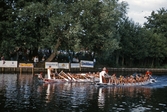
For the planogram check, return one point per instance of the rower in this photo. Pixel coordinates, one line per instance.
(40, 76)
(148, 73)
(113, 79)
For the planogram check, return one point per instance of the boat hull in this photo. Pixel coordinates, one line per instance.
(45, 80)
(149, 81)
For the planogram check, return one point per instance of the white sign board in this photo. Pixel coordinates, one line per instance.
(12, 64)
(75, 65)
(52, 64)
(64, 65)
(89, 64)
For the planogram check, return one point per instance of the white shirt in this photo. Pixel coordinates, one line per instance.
(35, 59)
(49, 73)
(102, 73)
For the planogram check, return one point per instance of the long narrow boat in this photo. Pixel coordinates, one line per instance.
(89, 78)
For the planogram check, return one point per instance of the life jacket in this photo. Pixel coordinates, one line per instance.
(148, 73)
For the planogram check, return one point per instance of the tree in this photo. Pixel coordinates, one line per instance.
(76, 23)
(157, 21)
(157, 26)
(7, 31)
(89, 25)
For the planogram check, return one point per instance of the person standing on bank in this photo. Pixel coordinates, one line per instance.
(3, 59)
(35, 60)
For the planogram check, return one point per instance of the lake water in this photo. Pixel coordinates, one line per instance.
(22, 93)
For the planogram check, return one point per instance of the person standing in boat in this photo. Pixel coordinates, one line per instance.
(102, 74)
(49, 71)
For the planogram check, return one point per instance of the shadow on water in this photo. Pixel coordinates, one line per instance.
(22, 93)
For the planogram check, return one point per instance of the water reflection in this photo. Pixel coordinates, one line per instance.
(75, 92)
(131, 99)
(101, 98)
(16, 90)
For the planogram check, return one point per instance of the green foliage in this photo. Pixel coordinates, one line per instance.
(94, 26)
(7, 32)
(157, 26)
(158, 22)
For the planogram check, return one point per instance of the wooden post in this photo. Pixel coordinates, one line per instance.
(20, 70)
(32, 70)
(80, 66)
(69, 66)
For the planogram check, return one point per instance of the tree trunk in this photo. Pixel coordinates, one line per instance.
(117, 58)
(123, 60)
(53, 55)
(152, 64)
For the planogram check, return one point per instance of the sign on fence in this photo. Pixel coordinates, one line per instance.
(64, 65)
(52, 64)
(12, 64)
(75, 65)
(87, 63)
(26, 65)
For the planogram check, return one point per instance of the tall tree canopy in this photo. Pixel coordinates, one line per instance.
(157, 26)
(65, 24)
(7, 26)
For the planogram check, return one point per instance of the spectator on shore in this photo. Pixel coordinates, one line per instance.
(94, 61)
(35, 59)
(3, 59)
(43, 59)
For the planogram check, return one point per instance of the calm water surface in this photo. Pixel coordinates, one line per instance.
(22, 93)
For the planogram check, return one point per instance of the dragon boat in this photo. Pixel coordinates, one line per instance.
(94, 78)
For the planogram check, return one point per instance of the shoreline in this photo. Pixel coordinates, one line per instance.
(83, 70)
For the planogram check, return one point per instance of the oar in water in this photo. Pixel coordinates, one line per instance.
(71, 77)
(62, 77)
(66, 75)
(85, 77)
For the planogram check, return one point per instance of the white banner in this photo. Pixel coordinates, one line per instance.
(52, 64)
(75, 65)
(87, 63)
(12, 64)
(64, 65)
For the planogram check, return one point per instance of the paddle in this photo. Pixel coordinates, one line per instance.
(71, 76)
(62, 77)
(66, 75)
